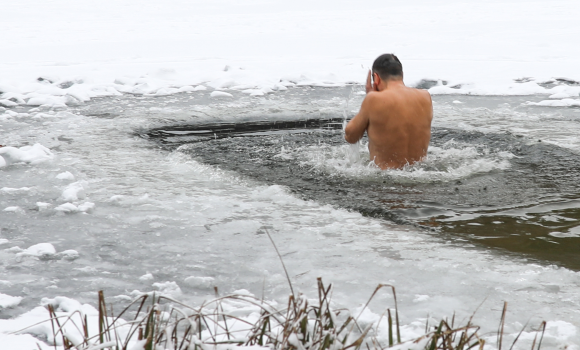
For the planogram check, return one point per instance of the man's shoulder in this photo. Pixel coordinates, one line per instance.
(423, 94)
(419, 91)
(373, 97)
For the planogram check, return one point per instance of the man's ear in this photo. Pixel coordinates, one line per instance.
(377, 80)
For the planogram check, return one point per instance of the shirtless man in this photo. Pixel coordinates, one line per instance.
(396, 118)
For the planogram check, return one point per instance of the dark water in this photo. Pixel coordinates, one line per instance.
(530, 207)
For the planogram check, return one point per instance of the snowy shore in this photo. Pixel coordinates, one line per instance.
(87, 49)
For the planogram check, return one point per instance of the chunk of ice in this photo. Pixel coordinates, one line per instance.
(171, 289)
(14, 209)
(86, 207)
(566, 102)
(200, 282)
(220, 94)
(69, 254)
(7, 301)
(73, 192)
(65, 176)
(14, 190)
(420, 297)
(146, 277)
(42, 206)
(67, 208)
(7, 103)
(47, 100)
(34, 154)
(38, 250)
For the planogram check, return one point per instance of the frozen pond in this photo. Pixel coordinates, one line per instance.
(491, 215)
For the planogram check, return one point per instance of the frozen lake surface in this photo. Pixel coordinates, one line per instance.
(115, 207)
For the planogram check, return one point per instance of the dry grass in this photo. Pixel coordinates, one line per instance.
(159, 322)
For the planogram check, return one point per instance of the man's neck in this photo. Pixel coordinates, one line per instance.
(391, 84)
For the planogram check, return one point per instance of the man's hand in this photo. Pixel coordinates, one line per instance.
(370, 86)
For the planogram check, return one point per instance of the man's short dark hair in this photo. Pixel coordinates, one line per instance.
(388, 66)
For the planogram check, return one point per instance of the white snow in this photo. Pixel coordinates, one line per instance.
(475, 48)
(7, 301)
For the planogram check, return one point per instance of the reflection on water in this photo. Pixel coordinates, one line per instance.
(494, 189)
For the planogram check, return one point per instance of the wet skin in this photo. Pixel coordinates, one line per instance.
(397, 120)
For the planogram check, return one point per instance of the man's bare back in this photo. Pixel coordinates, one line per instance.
(397, 120)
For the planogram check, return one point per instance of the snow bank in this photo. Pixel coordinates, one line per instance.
(500, 47)
(36, 322)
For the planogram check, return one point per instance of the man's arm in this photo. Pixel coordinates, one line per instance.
(356, 127)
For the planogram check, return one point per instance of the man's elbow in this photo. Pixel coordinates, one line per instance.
(350, 137)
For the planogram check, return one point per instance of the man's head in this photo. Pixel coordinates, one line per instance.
(388, 67)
